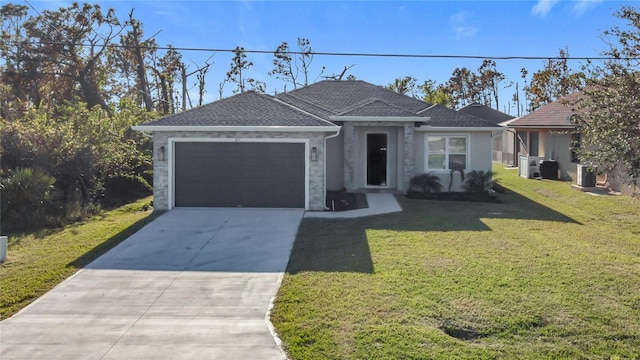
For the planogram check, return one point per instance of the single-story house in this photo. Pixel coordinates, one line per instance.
(288, 150)
(547, 134)
(502, 146)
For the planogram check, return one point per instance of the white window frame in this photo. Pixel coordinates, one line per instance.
(446, 152)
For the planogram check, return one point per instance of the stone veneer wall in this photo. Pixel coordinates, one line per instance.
(350, 150)
(161, 168)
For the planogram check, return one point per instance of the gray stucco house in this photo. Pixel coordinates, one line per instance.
(288, 150)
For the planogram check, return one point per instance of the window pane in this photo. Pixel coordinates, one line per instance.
(436, 161)
(436, 144)
(458, 145)
(457, 161)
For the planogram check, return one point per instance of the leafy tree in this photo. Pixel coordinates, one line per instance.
(436, 94)
(490, 80)
(608, 109)
(555, 80)
(407, 85)
(73, 42)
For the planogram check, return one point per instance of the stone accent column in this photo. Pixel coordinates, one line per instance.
(409, 154)
(160, 173)
(349, 156)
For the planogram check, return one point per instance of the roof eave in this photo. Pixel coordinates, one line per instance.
(166, 128)
(459, 128)
(516, 126)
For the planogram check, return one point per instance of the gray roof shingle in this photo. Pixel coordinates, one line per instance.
(245, 109)
(335, 97)
(484, 112)
(441, 116)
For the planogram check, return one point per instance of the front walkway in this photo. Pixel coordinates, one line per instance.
(379, 203)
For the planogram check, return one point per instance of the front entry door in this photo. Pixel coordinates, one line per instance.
(377, 159)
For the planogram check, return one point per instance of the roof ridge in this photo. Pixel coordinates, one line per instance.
(367, 101)
(303, 111)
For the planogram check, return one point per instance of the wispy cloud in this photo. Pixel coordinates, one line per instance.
(543, 7)
(461, 26)
(582, 6)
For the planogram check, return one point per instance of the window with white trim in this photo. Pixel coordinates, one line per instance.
(447, 152)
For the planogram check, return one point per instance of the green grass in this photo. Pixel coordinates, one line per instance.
(550, 273)
(38, 262)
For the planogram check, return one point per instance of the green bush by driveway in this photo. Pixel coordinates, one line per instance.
(549, 273)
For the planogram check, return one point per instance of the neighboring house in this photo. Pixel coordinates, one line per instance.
(503, 144)
(548, 133)
(288, 150)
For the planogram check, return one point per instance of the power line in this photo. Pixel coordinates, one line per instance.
(364, 54)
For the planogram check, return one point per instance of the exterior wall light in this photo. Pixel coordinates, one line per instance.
(314, 153)
(162, 153)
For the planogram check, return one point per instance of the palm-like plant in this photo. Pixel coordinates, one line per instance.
(425, 183)
(478, 181)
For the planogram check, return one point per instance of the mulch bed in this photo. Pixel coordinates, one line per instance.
(343, 201)
(455, 196)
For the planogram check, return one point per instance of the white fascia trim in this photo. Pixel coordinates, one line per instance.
(237, 128)
(381, 118)
(547, 127)
(458, 129)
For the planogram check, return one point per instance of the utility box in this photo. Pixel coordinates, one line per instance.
(3, 248)
(549, 169)
(586, 175)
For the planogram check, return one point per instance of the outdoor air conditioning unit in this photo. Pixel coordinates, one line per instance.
(586, 175)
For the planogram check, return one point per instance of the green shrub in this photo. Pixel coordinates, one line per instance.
(478, 181)
(26, 197)
(425, 183)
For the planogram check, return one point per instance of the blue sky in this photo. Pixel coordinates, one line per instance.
(484, 28)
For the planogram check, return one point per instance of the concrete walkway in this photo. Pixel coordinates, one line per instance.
(193, 284)
(378, 204)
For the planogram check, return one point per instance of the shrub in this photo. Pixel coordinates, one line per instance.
(425, 183)
(26, 197)
(478, 181)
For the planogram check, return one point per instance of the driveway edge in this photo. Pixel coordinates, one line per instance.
(267, 319)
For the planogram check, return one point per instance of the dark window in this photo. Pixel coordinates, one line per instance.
(533, 143)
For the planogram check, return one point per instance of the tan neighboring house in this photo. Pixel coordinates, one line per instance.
(548, 134)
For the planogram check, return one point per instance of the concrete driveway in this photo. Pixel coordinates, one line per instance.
(193, 284)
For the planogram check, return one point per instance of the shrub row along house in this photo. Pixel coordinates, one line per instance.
(288, 150)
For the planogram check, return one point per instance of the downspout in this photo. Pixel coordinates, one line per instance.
(325, 165)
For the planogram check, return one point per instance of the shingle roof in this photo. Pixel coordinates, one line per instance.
(441, 116)
(375, 107)
(484, 112)
(553, 115)
(334, 97)
(315, 106)
(245, 109)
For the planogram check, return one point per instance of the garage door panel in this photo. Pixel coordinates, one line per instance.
(240, 174)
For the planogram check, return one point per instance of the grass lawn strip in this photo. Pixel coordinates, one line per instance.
(549, 273)
(36, 263)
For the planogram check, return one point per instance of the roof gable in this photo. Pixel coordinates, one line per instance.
(336, 97)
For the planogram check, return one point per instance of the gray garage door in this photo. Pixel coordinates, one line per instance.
(240, 174)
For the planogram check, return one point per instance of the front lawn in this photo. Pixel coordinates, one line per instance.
(38, 262)
(549, 273)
